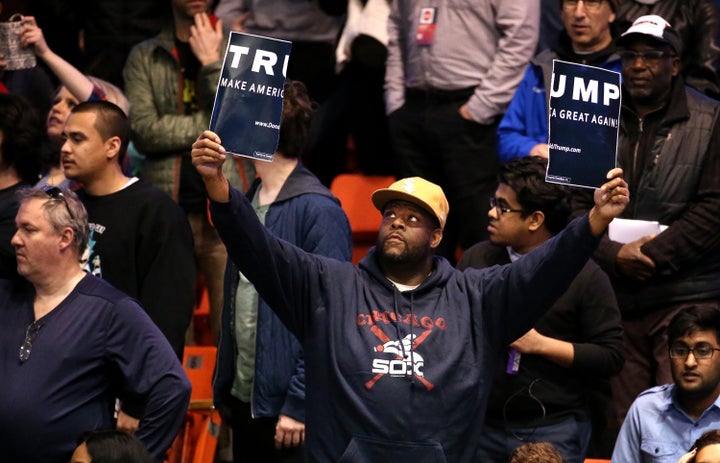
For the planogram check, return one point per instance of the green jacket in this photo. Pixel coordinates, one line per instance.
(161, 130)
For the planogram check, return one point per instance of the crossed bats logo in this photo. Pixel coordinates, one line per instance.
(405, 356)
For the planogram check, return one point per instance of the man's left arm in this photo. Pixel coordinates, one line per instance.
(207, 41)
(518, 26)
(695, 232)
(599, 349)
(150, 370)
(595, 347)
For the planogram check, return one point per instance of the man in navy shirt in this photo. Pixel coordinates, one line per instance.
(70, 343)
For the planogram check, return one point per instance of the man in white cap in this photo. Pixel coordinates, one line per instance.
(696, 22)
(400, 350)
(669, 149)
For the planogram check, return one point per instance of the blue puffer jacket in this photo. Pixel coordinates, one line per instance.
(525, 123)
(307, 215)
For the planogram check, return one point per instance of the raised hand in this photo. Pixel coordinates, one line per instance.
(208, 156)
(205, 39)
(32, 35)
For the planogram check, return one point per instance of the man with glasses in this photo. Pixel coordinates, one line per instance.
(559, 389)
(696, 23)
(70, 342)
(669, 148)
(664, 421)
(587, 38)
(451, 70)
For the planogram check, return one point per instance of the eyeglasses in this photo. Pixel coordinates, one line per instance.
(701, 350)
(588, 4)
(502, 210)
(648, 57)
(56, 194)
(30, 334)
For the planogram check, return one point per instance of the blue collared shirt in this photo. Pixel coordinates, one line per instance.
(657, 430)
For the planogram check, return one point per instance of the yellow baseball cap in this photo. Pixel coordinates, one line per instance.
(418, 191)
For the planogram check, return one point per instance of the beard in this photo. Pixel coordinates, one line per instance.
(402, 253)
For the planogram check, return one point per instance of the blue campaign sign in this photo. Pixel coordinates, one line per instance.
(248, 101)
(584, 120)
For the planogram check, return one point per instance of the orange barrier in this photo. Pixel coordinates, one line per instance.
(197, 441)
(202, 334)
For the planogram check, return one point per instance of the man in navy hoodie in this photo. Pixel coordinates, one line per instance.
(399, 351)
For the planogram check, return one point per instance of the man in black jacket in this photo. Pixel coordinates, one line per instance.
(669, 149)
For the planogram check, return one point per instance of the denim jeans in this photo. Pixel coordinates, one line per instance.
(571, 437)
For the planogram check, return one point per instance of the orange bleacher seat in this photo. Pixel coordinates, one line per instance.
(596, 460)
(354, 190)
(197, 441)
(202, 334)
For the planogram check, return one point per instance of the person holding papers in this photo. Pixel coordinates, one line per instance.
(587, 38)
(669, 148)
(696, 22)
(400, 350)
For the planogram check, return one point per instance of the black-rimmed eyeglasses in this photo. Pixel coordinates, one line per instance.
(648, 56)
(30, 334)
(57, 194)
(701, 350)
(502, 209)
(589, 4)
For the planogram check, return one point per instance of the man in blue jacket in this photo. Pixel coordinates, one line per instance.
(587, 38)
(399, 351)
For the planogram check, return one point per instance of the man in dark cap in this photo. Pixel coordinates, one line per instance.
(669, 149)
